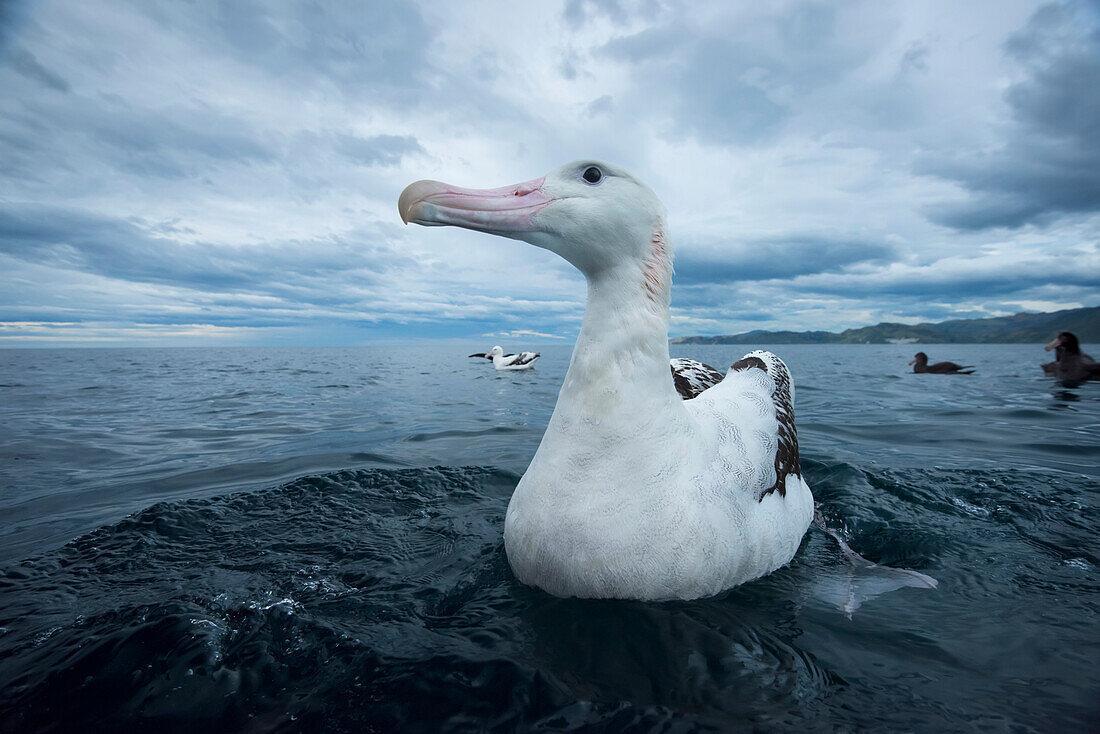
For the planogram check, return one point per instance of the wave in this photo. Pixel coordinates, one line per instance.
(381, 599)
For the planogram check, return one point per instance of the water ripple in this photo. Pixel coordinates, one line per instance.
(249, 540)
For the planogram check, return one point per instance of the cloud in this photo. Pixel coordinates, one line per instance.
(967, 280)
(768, 259)
(172, 167)
(734, 77)
(113, 332)
(378, 49)
(1050, 165)
(576, 12)
(128, 250)
(991, 284)
(75, 267)
(386, 150)
(24, 62)
(174, 143)
(522, 333)
(600, 106)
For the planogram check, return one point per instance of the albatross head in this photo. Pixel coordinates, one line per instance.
(497, 351)
(595, 215)
(1066, 341)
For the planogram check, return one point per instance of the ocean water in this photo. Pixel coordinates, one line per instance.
(310, 540)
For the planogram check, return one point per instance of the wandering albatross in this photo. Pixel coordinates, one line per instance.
(502, 361)
(638, 490)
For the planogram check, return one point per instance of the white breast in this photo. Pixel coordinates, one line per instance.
(665, 506)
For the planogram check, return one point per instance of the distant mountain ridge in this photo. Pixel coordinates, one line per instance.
(1022, 328)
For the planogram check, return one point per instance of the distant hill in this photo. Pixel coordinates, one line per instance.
(1023, 328)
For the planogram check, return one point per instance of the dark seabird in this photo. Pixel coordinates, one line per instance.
(921, 366)
(1070, 363)
(1051, 368)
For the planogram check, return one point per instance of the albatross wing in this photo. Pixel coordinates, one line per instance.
(692, 378)
(525, 358)
(786, 452)
(518, 360)
(753, 410)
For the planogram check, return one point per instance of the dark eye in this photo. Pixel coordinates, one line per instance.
(592, 175)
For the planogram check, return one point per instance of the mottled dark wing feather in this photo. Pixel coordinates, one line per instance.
(525, 358)
(786, 454)
(947, 367)
(692, 378)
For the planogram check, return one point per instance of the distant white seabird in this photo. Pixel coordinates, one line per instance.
(638, 490)
(502, 361)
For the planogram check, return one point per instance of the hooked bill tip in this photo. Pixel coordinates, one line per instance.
(413, 194)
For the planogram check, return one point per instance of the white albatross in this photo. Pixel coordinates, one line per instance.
(636, 492)
(502, 361)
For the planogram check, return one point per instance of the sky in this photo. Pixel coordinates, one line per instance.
(205, 172)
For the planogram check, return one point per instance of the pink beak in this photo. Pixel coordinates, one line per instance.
(509, 209)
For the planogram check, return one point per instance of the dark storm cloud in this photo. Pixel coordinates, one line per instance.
(782, 258)
(1050, 165)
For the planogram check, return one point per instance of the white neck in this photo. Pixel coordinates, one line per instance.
(620, 362)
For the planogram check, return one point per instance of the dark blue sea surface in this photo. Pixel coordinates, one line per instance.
(310, 540)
